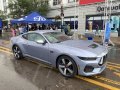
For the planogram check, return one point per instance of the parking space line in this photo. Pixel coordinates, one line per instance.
(97, 83)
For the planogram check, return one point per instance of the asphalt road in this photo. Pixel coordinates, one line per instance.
(28, 74)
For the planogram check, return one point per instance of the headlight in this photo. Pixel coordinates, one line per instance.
(87, 58)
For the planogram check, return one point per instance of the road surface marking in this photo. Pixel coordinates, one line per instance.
(97, 83)
(6, 51)
(107, 80)
(113, 63)
(116, 73)
(86, 79)
(114, 66)
(4, 48)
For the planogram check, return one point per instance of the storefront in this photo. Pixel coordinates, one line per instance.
(93, 15)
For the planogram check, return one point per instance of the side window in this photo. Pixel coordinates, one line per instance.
(36, 37)
(31, 36)
(39, 38)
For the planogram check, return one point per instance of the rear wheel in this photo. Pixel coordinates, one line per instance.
(67, 66)
(17, 52)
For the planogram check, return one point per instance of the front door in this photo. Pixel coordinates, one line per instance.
(36, 48)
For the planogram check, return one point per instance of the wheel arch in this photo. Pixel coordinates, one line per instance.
(67, 56)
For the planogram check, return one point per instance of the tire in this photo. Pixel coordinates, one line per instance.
(66, 66)
(17, 52)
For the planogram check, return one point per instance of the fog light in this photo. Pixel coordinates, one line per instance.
(88, 69)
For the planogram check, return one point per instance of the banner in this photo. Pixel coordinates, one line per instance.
(0, 23)
(107, 32)
(85, 2)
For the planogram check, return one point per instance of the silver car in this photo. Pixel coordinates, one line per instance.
(71, 57)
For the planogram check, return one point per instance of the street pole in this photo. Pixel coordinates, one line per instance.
(75, 34)
(62, 16)
(107, 17)
(75, 13)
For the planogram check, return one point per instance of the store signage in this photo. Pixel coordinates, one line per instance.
(85, 2)
(107, 32)
(113, 8)
(39, 18)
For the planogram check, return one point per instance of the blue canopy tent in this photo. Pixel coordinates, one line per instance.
(32, 18)
(37, 18)
(20, 20)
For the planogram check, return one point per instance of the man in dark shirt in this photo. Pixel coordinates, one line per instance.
(0, 32)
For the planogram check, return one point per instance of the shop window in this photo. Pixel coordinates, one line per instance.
(97, 18)
(104, 17)
(56, 2)
(70, 1)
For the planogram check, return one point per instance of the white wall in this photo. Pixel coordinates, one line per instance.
(69, 9)
(1, 5)
(83, 11)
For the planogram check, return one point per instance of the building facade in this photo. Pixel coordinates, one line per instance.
(94, 14)
(70, 14)
(86, 16)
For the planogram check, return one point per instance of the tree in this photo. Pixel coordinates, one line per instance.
(20, 8)
(2, 16)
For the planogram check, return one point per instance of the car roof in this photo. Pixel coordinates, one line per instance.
(42, 31)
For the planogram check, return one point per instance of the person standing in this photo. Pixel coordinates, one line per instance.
(97, 30)
(65, 29)
(20, 30)
(13, 31)
(0, 31)
(0, 27)
(68, 28)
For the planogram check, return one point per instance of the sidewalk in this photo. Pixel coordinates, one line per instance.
(5, 40)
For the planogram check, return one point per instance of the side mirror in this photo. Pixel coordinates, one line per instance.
(43, 42)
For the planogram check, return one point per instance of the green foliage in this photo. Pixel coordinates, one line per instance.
(2, 16)
(20, 8)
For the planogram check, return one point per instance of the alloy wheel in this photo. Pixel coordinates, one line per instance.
(66, 67)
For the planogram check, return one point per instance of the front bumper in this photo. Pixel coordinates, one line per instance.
(89, 68)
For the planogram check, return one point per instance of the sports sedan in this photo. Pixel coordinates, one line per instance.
(71, 57)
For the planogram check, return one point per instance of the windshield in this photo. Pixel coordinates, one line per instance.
(56, 37)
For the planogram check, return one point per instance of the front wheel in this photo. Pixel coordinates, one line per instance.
(67, 66)
(17, 52)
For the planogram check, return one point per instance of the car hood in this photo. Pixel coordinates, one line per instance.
(85, 45)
